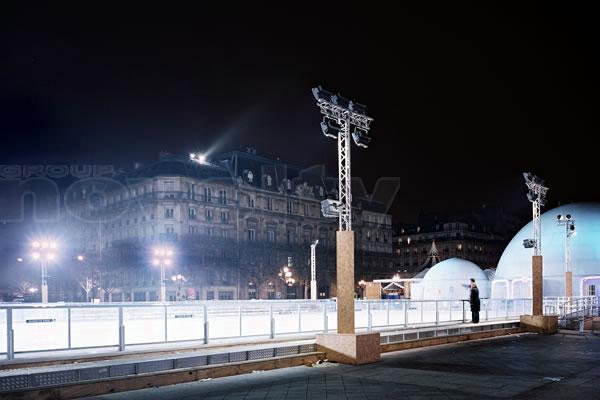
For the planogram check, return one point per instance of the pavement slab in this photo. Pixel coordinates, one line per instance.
(524, 366)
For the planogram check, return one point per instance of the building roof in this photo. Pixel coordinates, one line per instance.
(173, 165)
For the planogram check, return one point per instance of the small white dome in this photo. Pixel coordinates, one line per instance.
(455, 269)
(450, 279)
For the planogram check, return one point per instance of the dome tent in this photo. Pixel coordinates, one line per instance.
(513, 275)
(449, 280)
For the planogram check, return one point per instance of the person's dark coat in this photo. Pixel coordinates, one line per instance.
(474, 300)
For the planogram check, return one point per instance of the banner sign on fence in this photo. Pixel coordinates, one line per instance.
(183, 315)
(36, 321)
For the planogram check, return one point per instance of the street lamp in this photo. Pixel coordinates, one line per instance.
(362, 283)
(179, 279)
(163, 257)
(199, 158)
(44, 252)
(286, 273)
(569, 223)
(313, 269)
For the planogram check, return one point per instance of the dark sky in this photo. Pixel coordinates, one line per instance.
(464, 100)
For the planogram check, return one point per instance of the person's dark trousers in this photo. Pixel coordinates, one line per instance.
(475, 317)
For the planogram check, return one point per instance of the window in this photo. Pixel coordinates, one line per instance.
(209, 214)
(251, 234)
(269, 180)
(192, 213)
(250, 201)
(269, 203)
(592, 290)
(226, 295)
(193, 230)
(290, 206)
(210, 231)
(224, 233)
(271, 235)
(169, 230)
(222, 196)
(290, 237)
(169, 213)
(224, 217)
(207, 195)
(170, 189)
(306, 210)
(210, 295)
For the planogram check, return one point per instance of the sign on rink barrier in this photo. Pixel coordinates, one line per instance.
(29, 328)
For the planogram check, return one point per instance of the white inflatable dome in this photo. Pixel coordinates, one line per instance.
(513, 275)
(449, 280)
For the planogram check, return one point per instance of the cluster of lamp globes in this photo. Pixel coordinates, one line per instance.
(286, 275)
(162, 256)
(44, 250)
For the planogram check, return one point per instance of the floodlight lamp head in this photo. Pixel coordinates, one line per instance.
(529, 243)
(321, 94)
(361, 138)
(568, 216)
(558, 217)
(329, 129)
(330, 208)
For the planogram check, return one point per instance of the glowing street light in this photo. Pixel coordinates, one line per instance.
(199, 158)
(162, 258)
(362, 283)
(179, 279)
(44, 252)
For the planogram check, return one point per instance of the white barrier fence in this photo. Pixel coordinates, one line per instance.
(51, 327)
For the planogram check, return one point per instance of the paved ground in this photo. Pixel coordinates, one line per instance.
(519, 366)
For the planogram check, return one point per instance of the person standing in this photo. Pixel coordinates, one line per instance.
(474, 300)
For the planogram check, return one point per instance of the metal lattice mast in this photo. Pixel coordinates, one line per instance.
(537, 197)
(345, 178)
(569, 223)
(343, 120)
(537, 228)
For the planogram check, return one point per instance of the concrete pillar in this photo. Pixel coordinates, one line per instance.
(345, 281)
(569, 284)
(537, 285)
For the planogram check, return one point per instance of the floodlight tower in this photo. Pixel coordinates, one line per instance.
(569, 223)
(537, 197)
(343, 118)
(340, 117)
(313, 270)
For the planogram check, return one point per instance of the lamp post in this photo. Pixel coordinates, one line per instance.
(163, 257)
(287, 275)
(362, 285)
(313, 270)
(569, 223)
(179, 279)
(44, 252)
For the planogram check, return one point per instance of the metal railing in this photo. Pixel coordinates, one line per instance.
(564, 306)
(572, 312)
(29, 328)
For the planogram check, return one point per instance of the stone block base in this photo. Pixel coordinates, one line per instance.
(350, 348)
(546, 324)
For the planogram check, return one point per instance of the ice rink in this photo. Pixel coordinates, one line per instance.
(77, 326)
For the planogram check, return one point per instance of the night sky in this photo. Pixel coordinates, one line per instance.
(461, 98)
